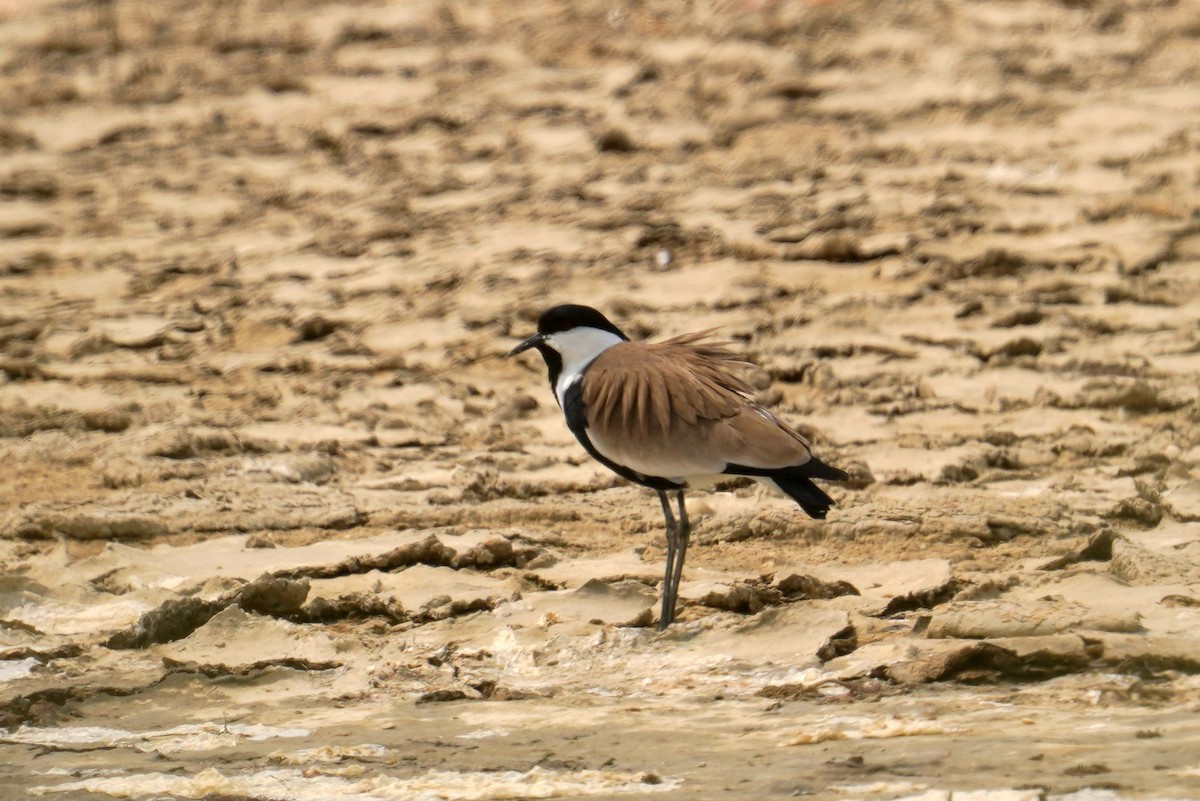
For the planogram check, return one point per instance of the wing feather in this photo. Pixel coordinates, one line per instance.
(683, 402)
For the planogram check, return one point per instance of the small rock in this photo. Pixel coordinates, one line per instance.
(88, 345)
(796, 586)
(991, 660)
(1137, 565)
(839, 644)
(1022, 346)
(835, 246)
(614, 140)
(121, 472)
(172, 620)
(135, 333)
(994, 262)
(175, 444)
(1148, 463)
(795, 90)
(354, 606)
(789, 234)
(1089, 769)
(1030, 316)
(441, 696)
(429, 551)
(184, 443)
(1139, 653)
(493, 553)
(1184, 501)
(1002, 528)
(1139, 510)
(1098, 549)
(969, 309)
(516, 407)
(111, 421)
(967, 470)
(108, 527)
(315, 327)
(269, 595)
(17, 369)
(1137, 397)
(861, 476)
(742, 597)
(316, 468)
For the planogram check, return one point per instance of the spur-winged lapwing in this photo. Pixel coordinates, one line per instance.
(670, 416)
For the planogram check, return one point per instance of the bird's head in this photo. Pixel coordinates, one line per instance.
(570, 331)
(570, 337)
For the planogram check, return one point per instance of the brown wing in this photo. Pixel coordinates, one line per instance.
(645, 389)
(679, 406)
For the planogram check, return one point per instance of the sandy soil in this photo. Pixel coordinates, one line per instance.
(278, 521)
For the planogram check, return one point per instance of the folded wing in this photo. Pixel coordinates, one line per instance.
(677, 409)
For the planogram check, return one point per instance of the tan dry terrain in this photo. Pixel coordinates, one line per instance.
(278, 522)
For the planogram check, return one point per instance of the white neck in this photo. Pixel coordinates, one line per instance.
(578, 347)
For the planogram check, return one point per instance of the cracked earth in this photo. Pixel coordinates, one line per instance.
(277, 520)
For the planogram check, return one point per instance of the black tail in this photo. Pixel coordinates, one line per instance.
(815, 468)
(812, 499)
(795, 483)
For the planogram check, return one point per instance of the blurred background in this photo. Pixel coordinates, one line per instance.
(316, 224)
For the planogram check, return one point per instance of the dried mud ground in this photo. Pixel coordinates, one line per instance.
(277, 521)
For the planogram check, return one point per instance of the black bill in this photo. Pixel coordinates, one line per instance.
(531, 342)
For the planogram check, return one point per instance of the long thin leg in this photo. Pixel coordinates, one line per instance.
(682, 534)
(668, 599)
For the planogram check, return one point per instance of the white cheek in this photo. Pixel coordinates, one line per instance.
(580, 345)
(578, 348)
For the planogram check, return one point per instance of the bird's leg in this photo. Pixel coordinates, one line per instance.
(668, 599)
(682, 532)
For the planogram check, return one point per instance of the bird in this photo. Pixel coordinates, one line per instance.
(671, 416)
